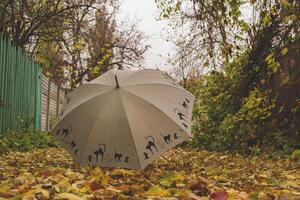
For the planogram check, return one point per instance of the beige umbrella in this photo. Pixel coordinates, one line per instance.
(124, 119)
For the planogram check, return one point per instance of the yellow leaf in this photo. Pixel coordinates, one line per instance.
(284, 51)
(68, 196)
(285, 79)
(157, 191)
(36, 193)
(122, 172)
(269, 57)
(96, 172)
(98, 175)
(266, 19)
(171, 178)
(85, 188)
(5, 187)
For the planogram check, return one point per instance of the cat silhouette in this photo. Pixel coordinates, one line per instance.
(181, 116)
(100, 151)
(126, 159)
(151, 144)
(65, 132)
(175, 136)
(167, 138)
(73, 144)
(185, 105)
(118, 156)
(146, 156)
(90, 158)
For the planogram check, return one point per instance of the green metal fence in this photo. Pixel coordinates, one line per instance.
(20, 82)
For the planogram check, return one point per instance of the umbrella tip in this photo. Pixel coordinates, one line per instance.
(117, 81)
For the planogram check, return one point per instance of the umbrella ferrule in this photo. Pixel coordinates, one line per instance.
(117, 81)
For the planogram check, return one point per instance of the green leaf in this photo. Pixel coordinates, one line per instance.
(165, 15)
(178, 6)
(244, 25)
(285, 4)
(266, 20)
(171, 178)
(296, 154)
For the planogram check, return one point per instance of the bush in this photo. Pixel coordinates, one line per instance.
(25, 140)
(265, 117)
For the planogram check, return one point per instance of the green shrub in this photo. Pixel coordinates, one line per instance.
(25, 140)
(253, 125)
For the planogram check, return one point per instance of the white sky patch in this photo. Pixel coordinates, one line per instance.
(146, 13)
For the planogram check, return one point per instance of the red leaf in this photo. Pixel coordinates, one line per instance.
(219, 195)
(95, 186)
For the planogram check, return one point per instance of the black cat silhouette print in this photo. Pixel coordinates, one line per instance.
(124, 119)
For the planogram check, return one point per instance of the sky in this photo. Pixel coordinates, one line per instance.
(146, 13)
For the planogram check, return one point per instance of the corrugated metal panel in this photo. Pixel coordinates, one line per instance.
(53, 91)
(52, 107)
(20, 82)
(43, 121)
(51, 101)
(45, 81)
(44, 102)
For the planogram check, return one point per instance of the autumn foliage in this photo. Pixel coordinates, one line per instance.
(181, 174)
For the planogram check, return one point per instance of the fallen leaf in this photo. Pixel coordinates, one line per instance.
(199, 188)
(219, 195)
(95, 186)
(68, 196)
(37, 193)
(171, 178)
(157, 191)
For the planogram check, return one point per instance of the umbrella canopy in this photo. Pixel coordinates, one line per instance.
(124, 119)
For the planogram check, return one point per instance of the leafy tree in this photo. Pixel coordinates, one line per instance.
(209, 31)
(246, 97)
(74, 40)
(25, 21)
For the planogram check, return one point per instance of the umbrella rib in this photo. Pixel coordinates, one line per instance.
(92, 84)
(127, 119)
(164, 84)
(104, 92)
(154, 107)
(167, 98)
(133, 75)
(98, 84)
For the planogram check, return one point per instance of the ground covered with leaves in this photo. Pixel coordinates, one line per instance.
(181, 174)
